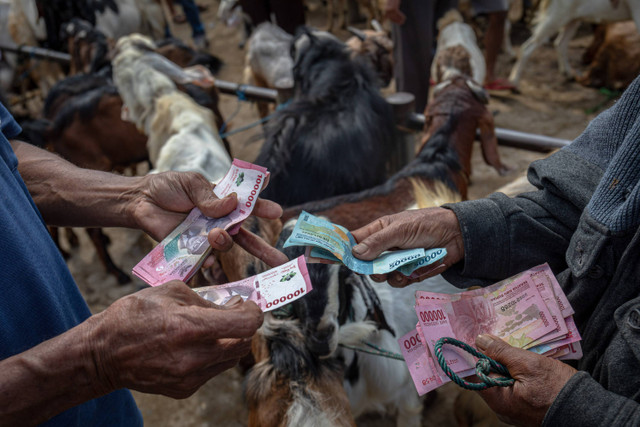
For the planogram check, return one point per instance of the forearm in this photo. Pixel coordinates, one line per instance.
(67, 195)
(503, 236)
(584, 402)
(48, 379)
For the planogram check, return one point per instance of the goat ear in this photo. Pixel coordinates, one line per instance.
(478, 91)
(377, 26)
(440, 86)
(356, 32)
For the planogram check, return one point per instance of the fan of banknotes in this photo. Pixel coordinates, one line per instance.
(528, 311)
(331, 243)
(184, 250)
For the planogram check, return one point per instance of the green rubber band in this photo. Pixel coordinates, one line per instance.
(484, 366)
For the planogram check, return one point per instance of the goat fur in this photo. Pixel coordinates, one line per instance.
(336, 134)
(565, 16)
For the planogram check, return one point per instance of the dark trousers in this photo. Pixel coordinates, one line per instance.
(289, 14)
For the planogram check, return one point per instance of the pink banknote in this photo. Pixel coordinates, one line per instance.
(270, 290)
(184, 250)
(516, 313)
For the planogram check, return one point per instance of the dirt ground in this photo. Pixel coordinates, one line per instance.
(547, 105)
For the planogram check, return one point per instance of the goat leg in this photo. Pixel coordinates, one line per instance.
(100, 241)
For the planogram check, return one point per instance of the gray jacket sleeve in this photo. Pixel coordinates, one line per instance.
(504, 236)
(584, 402)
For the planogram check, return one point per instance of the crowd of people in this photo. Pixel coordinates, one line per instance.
(60, 365)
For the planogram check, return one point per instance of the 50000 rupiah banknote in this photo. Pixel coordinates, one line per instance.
(270, 290)
(182, 252)
(333, 243)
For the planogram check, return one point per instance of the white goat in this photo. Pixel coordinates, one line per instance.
(565, 16)
(457, 43)
(182, 135)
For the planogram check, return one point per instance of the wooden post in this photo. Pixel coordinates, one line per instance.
(403, 104)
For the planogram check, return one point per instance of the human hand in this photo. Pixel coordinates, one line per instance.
(164, 200)
(392, 12)
(420, 228)
(168, 340)
(539, 379)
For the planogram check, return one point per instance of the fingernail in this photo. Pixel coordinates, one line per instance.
(483, 342)
(233, 301)
(232, 196)
(221, 240)
(360, 248)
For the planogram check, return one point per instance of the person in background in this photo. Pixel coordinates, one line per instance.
(584, 220)
(192, 16)
(289, 14)
(59, 364)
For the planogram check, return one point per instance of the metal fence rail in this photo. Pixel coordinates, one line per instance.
(402, 103)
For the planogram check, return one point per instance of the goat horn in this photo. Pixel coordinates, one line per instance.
(376, 26)
(356, 32)
(478, 91)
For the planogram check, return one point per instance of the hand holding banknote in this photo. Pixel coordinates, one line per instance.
(420, 228)
(164, 200)
(539, 379)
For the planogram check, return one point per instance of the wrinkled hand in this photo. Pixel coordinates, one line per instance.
(168, 340)
(392, 12)
(420, 228)
(165, 199)
(539, 379)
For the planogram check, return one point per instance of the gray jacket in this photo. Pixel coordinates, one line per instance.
(584, 221)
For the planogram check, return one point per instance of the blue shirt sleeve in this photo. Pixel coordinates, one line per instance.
(9, 127)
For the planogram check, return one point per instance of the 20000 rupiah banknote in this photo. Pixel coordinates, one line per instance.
(182, 252)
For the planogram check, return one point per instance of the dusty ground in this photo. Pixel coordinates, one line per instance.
(547, 105)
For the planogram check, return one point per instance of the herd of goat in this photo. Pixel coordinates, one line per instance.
(328, 148)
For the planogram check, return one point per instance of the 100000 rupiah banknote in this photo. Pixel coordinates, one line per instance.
(333, 243)
(182, 252)
(528, 310)
(270, 290)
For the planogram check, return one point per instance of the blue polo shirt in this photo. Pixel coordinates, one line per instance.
(38, 297)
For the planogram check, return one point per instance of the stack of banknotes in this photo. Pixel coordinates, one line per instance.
(332, 243)
(270, 290)
(528, 311)
(184, 250)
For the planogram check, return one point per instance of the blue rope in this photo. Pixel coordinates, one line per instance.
(243, 97)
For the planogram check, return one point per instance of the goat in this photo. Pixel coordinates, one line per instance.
(268, 62)
(335, 135)
(457, 48)
(230, 12)
(565, 16)
(372, 7)
(374, 47)
(458, 95)
(435, 171)
(615, 58)
(182, 135)
(295, 381)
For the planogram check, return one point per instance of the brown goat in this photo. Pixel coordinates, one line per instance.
(375, 47)
(614, 57)
(462, 97)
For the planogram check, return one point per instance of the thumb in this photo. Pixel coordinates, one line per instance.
(499, 350)
(376, 238)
